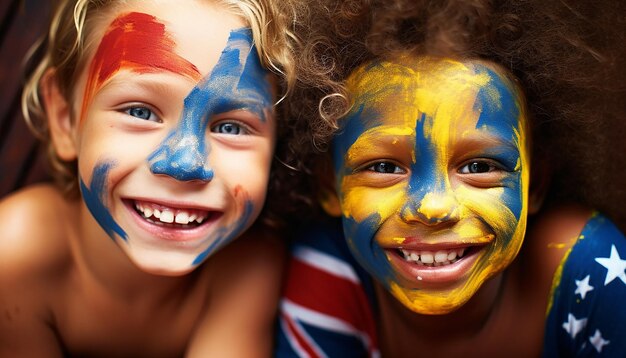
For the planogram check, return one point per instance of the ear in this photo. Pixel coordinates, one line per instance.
(539, 184)
(327, 194)
(58, 113)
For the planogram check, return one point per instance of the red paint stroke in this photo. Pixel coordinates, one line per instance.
(136, 42)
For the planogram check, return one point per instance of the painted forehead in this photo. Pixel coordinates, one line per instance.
(398, 94)
(140, 43)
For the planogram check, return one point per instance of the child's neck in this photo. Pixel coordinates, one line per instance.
(399, 325)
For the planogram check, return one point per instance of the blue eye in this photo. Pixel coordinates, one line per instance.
(477, 167)
(228, 128)
(142, 113)
(386, 168)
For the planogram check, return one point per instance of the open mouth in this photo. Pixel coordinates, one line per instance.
(433, 258)
(179, 218)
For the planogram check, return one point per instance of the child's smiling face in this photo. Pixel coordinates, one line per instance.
(175, 131)
(432, 175)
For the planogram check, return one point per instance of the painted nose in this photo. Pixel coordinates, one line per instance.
(182, 156)
(432, 209)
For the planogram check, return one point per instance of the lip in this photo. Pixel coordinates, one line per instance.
(420, 275)
(169, 232)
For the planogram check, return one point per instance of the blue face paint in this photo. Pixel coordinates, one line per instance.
(95, 199)
(238, 82)
(226, 234)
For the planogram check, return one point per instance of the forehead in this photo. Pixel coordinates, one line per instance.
(462, 94)
(196, 30)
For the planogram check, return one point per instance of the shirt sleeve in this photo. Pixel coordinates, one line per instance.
(326, 308)
(587, 317)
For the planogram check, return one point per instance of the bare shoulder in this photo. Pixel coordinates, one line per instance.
(244, 298)
(554, 231)
(31, 232)
(33, 257)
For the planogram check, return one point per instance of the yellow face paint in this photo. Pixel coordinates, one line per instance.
(430, 163)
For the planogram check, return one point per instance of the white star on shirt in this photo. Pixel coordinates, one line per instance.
(615, 265)
(583, 287)
(573, 326)
(598, 341)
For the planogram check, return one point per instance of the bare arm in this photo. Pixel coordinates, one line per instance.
(240, 319)
(25, 329)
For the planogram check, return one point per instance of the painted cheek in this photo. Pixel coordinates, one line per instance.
(360, 237)
(489, 206)
(238, 81)
(96, 199)
(244, 216)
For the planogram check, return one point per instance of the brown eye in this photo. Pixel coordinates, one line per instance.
(386, 168)
(476, 167)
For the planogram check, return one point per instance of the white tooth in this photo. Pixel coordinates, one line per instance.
(441, 256)
(138, 207)
(167, 217)
(157, 213)
(200, 219)
(415, 257)
(427, 257)
(192, 217)
(182, 217)
(452, 255)
(147, 212)
(460, 252)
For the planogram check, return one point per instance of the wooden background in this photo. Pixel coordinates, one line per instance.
(22, 161)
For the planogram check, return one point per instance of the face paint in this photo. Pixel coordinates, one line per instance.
(95, 198)
(233, 84)
(136, 42)
(120, 183)
(432, 162)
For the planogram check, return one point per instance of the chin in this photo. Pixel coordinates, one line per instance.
(431, 302)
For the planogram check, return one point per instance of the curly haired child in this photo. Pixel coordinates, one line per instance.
(162, 125)
(465, 127)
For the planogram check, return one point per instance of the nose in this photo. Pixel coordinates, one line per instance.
(183, 156)
(432, 208)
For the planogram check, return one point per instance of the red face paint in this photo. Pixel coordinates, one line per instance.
(139, 43)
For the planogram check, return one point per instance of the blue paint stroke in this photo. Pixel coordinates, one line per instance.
(237, 82)
(226, 234)
(362, 243)
(95, 198)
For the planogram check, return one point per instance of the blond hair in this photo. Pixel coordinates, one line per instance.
(66, 47)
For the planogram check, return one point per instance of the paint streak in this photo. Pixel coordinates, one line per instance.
(136, 42)
(238, 82)
(226, 234)
(95, 198)
(415, 112)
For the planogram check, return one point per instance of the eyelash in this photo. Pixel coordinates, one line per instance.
(129, 109)
(489, 164)
(396, 168)
(243, 128)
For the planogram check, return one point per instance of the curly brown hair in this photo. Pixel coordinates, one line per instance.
(569, 57)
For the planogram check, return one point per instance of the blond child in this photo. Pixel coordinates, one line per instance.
(162, 113)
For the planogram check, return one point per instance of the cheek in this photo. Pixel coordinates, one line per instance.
(360, 202)
(492, 206)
